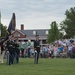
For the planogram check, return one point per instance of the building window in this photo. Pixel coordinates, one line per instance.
(34, 32)
(16, 34)
(46, 32)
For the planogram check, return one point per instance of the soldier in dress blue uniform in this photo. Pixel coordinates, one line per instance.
(10, 47)
(37, 48)
(17, 51)
(2, 52)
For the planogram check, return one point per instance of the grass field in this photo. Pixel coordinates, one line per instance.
(46, 66)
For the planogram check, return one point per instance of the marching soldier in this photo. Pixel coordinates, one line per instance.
(37, 49)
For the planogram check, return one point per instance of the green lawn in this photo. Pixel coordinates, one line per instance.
(46, 66)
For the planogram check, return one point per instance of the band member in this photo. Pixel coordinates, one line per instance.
(37, 48)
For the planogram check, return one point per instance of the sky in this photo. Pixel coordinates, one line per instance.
(34, 14)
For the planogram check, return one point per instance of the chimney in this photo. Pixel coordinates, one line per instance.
(22, 26)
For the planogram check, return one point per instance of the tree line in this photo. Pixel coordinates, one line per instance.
(67, 25)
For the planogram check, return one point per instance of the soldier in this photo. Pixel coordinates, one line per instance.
(37, 49)
(17, 51)
(10, 47)
(2, 52)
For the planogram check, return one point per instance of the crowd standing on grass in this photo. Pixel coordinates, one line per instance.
(60, 48)
(17, 49)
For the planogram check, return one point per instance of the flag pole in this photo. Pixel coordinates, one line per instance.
(0, 24)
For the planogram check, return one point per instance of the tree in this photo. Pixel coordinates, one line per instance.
(3, 30)
(69, 23)
(53, 33)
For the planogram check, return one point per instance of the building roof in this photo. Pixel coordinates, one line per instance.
(40, 32)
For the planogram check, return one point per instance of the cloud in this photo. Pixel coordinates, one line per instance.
(35, 13)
